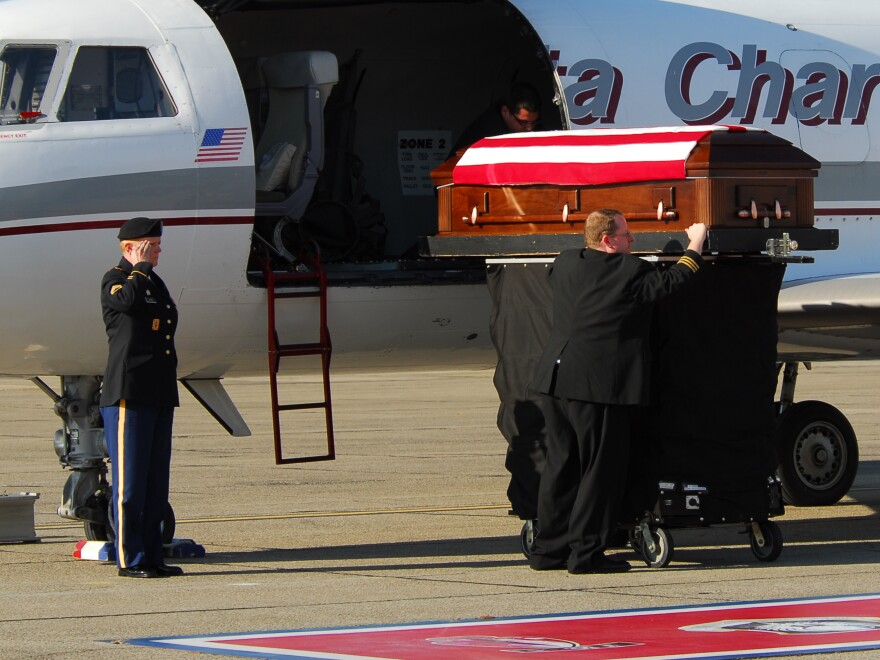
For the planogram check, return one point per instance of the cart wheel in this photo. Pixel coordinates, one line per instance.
(634, 538)
(661, 554)
(527, 536)
(766, 540)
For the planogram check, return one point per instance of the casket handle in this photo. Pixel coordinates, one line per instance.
(473, 219)
(663, 214)
(752, 212)
(565, 212)
(780, 211)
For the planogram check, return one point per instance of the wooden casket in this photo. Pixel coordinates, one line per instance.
(529, 193)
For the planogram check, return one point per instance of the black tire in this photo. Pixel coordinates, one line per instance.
(95, 531)
(634, 539)
(818, 454)
(101, 531)
(770, 547)
(527, 536)
(107, 532)
(663, 548)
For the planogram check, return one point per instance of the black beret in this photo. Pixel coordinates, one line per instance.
(140, 228)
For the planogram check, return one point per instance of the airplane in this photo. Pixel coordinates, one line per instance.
(258, 128)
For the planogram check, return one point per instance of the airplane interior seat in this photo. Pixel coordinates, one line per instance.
(298, 84)
(131, 96)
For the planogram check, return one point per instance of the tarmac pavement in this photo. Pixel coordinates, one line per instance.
(408, 524)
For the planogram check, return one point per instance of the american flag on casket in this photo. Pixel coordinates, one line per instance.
(581, 157)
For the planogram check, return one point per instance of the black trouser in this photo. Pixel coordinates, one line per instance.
(583, 481)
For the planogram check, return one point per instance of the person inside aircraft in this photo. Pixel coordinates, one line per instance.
(138, 398)
(593, 376)
(519, 112)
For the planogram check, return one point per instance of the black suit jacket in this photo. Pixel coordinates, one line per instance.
(488, 124)
(140, 318)
(598, 348)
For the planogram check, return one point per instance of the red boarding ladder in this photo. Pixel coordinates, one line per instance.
(309, 282)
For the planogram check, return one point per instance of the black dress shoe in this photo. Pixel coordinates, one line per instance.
(168, 571)
(546, 563)
(604, 565)
(138, 572)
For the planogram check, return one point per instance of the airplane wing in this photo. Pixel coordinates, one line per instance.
(830, 318)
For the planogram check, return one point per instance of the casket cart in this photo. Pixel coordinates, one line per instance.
(705, 455)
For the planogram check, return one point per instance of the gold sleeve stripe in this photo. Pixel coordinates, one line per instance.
(115, 288)
(690, 263)
(139, 273)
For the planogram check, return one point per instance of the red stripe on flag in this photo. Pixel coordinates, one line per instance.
(557, 157)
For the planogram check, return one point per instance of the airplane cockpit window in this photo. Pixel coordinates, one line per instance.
(24, 72)
(114, 83)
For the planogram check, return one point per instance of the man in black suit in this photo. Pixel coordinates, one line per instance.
(519, 112)
(592, 375)
(138, 397)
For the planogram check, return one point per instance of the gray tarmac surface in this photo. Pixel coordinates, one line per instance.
(408, 524)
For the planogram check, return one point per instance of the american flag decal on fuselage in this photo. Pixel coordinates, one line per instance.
(221, 144)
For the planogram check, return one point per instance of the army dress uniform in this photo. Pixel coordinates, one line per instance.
(137, 402)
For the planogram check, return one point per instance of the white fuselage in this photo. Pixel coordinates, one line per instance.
(65, 186)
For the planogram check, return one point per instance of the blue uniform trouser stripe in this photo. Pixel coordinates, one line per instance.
(138, 441)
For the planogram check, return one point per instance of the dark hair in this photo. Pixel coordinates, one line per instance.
(523, 95)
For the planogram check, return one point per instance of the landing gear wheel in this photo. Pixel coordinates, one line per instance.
(765, 539)
(658, 554)
(95, 531)
(107, 531)
(101, 531)
(818, 454)
(527, 536)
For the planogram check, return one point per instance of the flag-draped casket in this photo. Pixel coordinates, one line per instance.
(528, 193)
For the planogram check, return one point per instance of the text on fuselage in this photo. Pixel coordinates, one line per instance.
(816, 93)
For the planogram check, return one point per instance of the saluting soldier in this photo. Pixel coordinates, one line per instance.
(138, 397)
